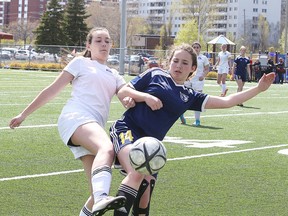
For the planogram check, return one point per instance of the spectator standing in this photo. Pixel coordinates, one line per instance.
(270, 65)
(224, 66)
(280, 70)
(257, 70)
(141, 64)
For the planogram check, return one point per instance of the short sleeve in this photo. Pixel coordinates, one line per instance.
(206, 61)
(120, 81)
(74, 66)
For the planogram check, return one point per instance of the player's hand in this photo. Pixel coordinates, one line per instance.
(128, 102)
(16, 121)
(153, 102)
(265, 81)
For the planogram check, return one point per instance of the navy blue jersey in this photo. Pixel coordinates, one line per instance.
(176, 100)
(241, 65)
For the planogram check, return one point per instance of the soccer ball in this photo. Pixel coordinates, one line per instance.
(148, 155)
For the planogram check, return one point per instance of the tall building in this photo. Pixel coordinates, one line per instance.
(234, 17)
(21, 10)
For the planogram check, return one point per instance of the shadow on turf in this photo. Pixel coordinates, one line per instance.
(249, 107)
(203, 126)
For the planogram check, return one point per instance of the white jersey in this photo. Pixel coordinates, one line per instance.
(195, 83)
(93, 87)
(224, 58)
(202, 62)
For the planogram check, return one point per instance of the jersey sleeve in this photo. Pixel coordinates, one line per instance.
(142, 81)
(120, 81)
(206, 61)
(74, 66)
(199, 101)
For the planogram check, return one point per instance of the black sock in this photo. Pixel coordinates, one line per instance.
(136, 209)
(130, 194)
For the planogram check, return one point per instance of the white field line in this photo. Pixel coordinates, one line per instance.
(41, 175)
(169, 159)
(207, 116)
(228, 152)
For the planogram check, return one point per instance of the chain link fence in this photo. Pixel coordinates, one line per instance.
(55, 58)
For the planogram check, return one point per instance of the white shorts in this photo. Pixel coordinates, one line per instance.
(223, 70)
(67, 125)
(197, 85)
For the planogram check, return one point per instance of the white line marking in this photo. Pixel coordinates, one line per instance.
(31, 126)
(228, 152)
(169, 159)
(207, 116)
(41, 175)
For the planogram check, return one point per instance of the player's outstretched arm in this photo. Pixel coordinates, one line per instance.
(42, 98)
(215, 102)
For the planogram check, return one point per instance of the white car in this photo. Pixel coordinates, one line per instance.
(25, 55)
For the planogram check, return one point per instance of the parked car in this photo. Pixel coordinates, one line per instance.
(5, 55)
(134, 60)
(113, 60)
(25, 55)
(11, 51)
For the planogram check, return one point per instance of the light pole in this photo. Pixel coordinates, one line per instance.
(198, 15)
(123, 37)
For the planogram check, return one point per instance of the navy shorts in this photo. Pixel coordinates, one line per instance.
(121, 135)
(242, 77)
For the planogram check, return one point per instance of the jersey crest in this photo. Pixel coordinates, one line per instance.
(184, 97)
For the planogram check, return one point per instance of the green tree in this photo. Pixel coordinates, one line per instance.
(75, 23)
(50, 30)
(188, 33)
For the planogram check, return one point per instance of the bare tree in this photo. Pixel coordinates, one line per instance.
(105, 15)
(23, 31)
(202, 11)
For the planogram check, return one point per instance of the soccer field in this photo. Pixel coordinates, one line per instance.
(234, 164)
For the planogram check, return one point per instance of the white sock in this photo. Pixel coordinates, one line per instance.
(101, 181)
(223, 88)
(85, 211)
(197, 115)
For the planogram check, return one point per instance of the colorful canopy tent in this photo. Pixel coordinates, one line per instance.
(221, 39)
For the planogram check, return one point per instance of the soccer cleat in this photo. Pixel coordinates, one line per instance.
(196, 123)
(241, 105)
(107, 203)
(224, 94)
(183, 120)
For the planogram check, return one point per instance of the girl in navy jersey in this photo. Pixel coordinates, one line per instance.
(83, 118)
(240, 69)
(161, 98)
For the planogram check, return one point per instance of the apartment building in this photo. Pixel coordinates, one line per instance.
(234, 17)
(24, 10)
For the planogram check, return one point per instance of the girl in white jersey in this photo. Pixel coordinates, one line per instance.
(82, 121)
(197, 81)
(224, 67)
